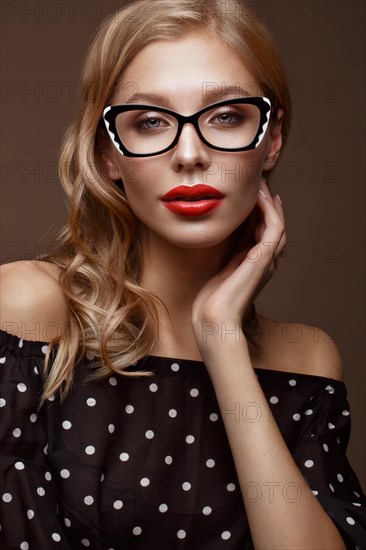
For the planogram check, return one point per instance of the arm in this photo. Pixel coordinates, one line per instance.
(259, 451)
(28, 493)
(262, 459)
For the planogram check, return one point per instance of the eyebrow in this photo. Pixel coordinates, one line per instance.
(214, 91)
(150, 98)
(208, 95)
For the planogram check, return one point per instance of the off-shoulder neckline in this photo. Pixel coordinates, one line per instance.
(29, 348)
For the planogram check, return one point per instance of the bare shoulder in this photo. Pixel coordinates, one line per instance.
(300, 348)
(33, 305)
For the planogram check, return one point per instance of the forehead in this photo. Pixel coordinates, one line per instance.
(187, 72)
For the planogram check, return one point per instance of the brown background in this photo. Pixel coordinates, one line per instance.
(321, 177)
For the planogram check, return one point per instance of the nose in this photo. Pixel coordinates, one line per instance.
(190, 152)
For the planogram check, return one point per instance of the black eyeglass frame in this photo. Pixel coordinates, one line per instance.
(110, 114)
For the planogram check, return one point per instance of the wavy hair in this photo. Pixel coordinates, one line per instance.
(113, 319)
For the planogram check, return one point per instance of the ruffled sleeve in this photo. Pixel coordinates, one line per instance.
(28, 498)
(321, 456)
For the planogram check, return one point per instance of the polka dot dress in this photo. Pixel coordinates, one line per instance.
(145, 464)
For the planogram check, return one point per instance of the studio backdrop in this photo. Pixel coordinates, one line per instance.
(320, 178)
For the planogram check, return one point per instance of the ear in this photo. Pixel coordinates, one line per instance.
(111, 164)
(275, 141)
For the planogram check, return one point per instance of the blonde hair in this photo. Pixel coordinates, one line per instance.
(113, 317)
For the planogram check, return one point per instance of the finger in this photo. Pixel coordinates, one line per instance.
(273, 222)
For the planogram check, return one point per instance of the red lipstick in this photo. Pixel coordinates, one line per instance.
(193, 200)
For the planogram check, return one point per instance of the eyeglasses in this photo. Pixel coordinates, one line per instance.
(147, 130)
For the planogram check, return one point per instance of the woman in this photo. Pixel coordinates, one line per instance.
(165, 416)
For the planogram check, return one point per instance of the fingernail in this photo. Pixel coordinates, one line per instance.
(263, 195)
(279, 199)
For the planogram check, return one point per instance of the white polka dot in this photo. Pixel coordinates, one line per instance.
(172, 413)
(24, 545)
(230, 487)
(66, 424)
(315, 493)
(225, 535)
(206, 510)
(356, 503)
(345, 413)
(36, 370)
(186, 486)
(149, 434)
(181, 534)
(117, 504)
(90, 355)
(19, 465)
(145, 481)
(2, 360)
(356, 493)
(102, 478)
(91, 402)
(331, 426)
(308, 412)
(41, 492)
(273, 400)
(111, 428)
(7, 497)
(17, 432)
(124, 457)
(20, 344)
(331, 487)
(44, 349)
(309, 463)
(153, 387)
(88, 500)
(2, 402)
(194, 392)
(65, 473)
(296, 416)
(175, 367)
(45, 449)
(292, 382)
(330, 389)
(213, 417)
(85, 542)
(129, 409)
(113, 381)
(56, 537)
(51, 398)
(190, 439)
(33, 417)
(22, 387)
(90, 450)
(210, 463)
(168, 459)
(340, 478)
(163, 508)
(67, 522)
(325, 447)
(338, 439)
(137, 530)
(350, 520)
(48, 476)
(30, 514)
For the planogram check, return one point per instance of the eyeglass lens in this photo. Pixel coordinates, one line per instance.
(230, 126)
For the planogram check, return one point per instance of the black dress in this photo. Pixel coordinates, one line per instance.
(144, 463)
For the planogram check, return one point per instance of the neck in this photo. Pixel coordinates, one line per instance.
(176, 275)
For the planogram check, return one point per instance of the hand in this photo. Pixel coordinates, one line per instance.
(226, 297)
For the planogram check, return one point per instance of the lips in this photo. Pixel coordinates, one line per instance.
(192, 193)
(192, 200)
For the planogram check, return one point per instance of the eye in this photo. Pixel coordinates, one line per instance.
(227, 118)
(151, 122)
